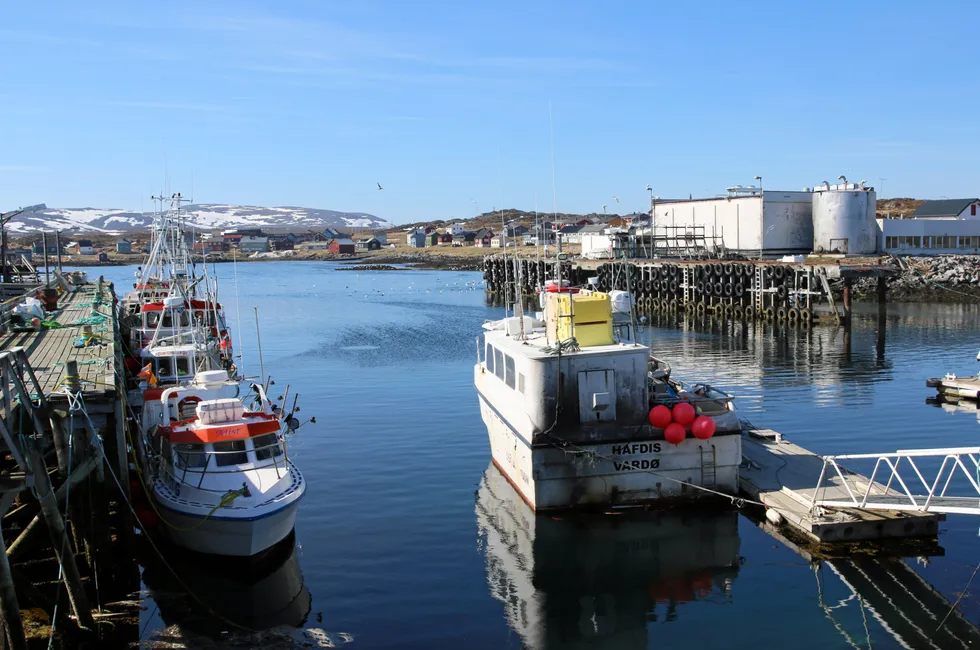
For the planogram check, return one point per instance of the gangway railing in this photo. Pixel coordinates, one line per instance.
(953, 488)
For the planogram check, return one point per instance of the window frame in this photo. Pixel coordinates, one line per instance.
(230, 456)
(510, 371)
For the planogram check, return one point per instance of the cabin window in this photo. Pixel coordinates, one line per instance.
(168, 318)
(165, 450)
(488, 359)
(510, 375)
(266, 446)
(190, 455)
(498, 363)
(165, 367)
(916, 242)
(229, 455)
(183, 366)
(185, 319)
(152, 318)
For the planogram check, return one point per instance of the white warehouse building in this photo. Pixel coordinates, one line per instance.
(749, 220)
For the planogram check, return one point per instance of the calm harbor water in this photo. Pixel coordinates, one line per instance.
(408, 538)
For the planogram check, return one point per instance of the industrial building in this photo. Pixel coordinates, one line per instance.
(748, 220)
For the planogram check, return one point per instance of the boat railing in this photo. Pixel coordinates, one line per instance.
(213, 469)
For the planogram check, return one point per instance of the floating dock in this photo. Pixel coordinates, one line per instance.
(956, 387)
(785, 478)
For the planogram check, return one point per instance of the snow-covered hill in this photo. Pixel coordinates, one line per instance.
(203, 215)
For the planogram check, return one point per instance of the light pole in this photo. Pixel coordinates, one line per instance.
(476, 206)
(653, 207)
(882, 186)
(759, 178)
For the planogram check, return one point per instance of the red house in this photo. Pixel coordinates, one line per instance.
(341, 246)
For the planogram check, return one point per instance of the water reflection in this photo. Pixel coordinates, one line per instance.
(954, 406)
(215, 594)
(598, 580)
(907, 608)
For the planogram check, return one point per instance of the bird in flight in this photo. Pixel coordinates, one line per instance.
(617, 198)
(379, 186)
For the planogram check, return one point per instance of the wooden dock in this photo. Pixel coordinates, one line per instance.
(50, 349)
(784, 477)
(64, 466)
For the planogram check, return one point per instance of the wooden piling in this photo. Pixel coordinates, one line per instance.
(8, 595)
(848, 289)
(59, 541)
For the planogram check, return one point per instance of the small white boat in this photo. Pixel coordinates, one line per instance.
(706, 400)
(217, 468)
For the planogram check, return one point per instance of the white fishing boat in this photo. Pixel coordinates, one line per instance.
(213, 462)
(217, 468)
(575, 409)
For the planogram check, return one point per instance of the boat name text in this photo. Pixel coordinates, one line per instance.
(636, 448)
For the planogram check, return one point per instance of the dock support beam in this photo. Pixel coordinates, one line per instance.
(848, 288)
(13, 626)
(61, 545)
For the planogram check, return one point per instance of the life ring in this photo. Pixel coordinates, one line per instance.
(190, 399)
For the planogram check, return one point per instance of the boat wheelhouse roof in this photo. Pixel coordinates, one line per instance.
(194, 303)
(192, 431)
(173, 350)
(535, 345)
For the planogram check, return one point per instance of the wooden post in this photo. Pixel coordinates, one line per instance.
(122, 460)
(8, 597)
(59, 541)
(882, 320)
(77, 476)
(848, 286)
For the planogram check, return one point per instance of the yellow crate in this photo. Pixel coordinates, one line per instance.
(591, 321)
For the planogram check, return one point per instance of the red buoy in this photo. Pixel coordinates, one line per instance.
(683, 414)
(660, 416)
(674, 433)
(703, 427)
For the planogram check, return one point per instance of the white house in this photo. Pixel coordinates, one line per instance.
(948, 209)
(456, 229)
(597, 241)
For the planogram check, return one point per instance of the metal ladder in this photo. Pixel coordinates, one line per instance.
(709, 470)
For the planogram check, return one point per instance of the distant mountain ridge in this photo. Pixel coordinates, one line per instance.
(203, 215)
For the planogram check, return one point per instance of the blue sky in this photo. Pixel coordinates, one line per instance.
(446, 104)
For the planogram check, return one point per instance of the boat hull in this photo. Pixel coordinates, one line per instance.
(622, 473)
(233, 536)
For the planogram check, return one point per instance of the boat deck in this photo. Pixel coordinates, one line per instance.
(49, 349)
(784, 477)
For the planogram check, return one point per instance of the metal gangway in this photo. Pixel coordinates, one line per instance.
(943, 480)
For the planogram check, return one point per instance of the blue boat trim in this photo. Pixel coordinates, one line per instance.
(215, 517)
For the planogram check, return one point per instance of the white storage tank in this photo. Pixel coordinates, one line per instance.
(844, 219)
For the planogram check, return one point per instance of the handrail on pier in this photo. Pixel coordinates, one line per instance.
(852, 490)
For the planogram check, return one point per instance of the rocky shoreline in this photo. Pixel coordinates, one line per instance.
(943, 278)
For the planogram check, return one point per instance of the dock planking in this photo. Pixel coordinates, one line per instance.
(784, 476)
(50, 349)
